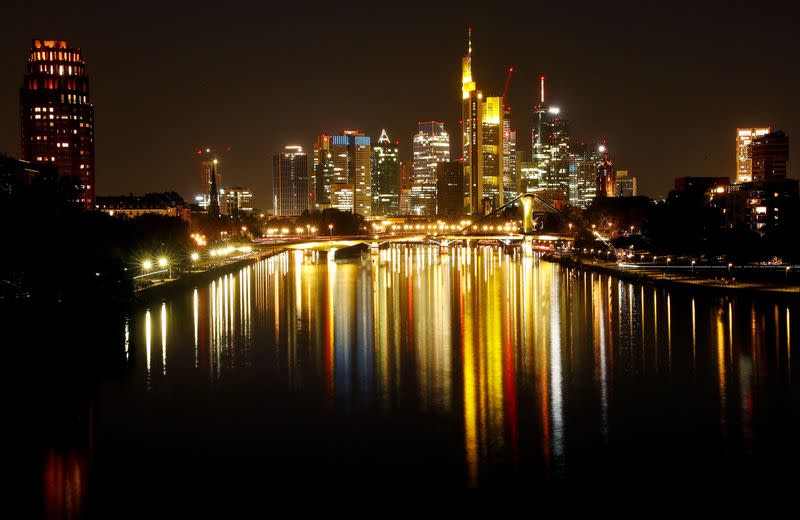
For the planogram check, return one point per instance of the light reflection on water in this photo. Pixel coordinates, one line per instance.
(526, 359)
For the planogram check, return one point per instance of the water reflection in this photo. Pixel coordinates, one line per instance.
(526, 360)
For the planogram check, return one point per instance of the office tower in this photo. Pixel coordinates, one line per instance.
(385, 176)
(237, 200)
(770, 154)
(744, 147)
(352, 172)
(606, 177)
(57, 116)
(290, 191)
(492, 152)
(213, 194)
(510, 178)
(550, 144)
(626, 184)
(471, 134)
(406, 183)
(321, 184)
(450, 189)
(431, 146)
(582, 174)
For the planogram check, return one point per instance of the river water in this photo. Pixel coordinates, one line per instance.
(416, 369)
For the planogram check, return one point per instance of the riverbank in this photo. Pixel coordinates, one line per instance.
(194, 278)
(680, 280)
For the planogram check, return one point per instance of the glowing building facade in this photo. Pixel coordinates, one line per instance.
(471, 135)
(492, 152)
(351, 156)
(549, 145)
(744, 149)
(385, 176)
(770, 156)
(431, 146)
(290, 187)
(57, 116)
(510, 180)
(321, 183)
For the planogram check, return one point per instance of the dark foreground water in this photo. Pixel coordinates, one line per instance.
(472, 370)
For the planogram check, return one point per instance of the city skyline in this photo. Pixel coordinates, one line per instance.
(604, 97)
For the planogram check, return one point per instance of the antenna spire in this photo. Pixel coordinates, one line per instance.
(469, 41)
(541, 81)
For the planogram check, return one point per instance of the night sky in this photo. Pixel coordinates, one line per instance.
(667, 86)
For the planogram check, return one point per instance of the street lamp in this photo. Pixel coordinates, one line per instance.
(693, 265)
(330, 232)
(195, 257)
(147, 265)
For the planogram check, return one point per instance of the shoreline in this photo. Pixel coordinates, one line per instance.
(193, 278)
(682, 282)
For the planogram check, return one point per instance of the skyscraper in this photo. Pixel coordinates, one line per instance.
(385, 176)
(627, 185)
(492, 151)
(290, 188)
(57, 116)
(471, 134)
(510, 179)
(321, 181)
(351, 156)
(450, 189)
(770, 156)
(744, 147)
(550, 144)
(406, 184)
(431, 146)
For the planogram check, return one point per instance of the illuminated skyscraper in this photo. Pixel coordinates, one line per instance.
(744, 147)
(492, 151)
(57, 116)
(431, 146)
(510, 180)
(471, 134)
(385, 176)
(550, 144)
(321, 183)
(290, 188)
(352, 172)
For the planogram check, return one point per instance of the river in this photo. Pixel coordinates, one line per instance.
(469, 369)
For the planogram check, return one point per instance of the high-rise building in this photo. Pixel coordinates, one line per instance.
(550, 144)
(290, 188)
(321, 181)
(626, 184)
(406, 184)
(582, 174)
(492, 151)
(450, 189)
(351, 155)
(385, 176)
(770, 156)
(431, 146)
(510, 179)
(236, 200)
(744, 147)
(471, 134)
(57, 116)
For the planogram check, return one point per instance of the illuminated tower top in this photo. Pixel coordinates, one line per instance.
(467, 85)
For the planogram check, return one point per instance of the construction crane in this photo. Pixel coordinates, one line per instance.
(508, 82)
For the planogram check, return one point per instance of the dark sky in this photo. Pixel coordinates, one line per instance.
(666, 85)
